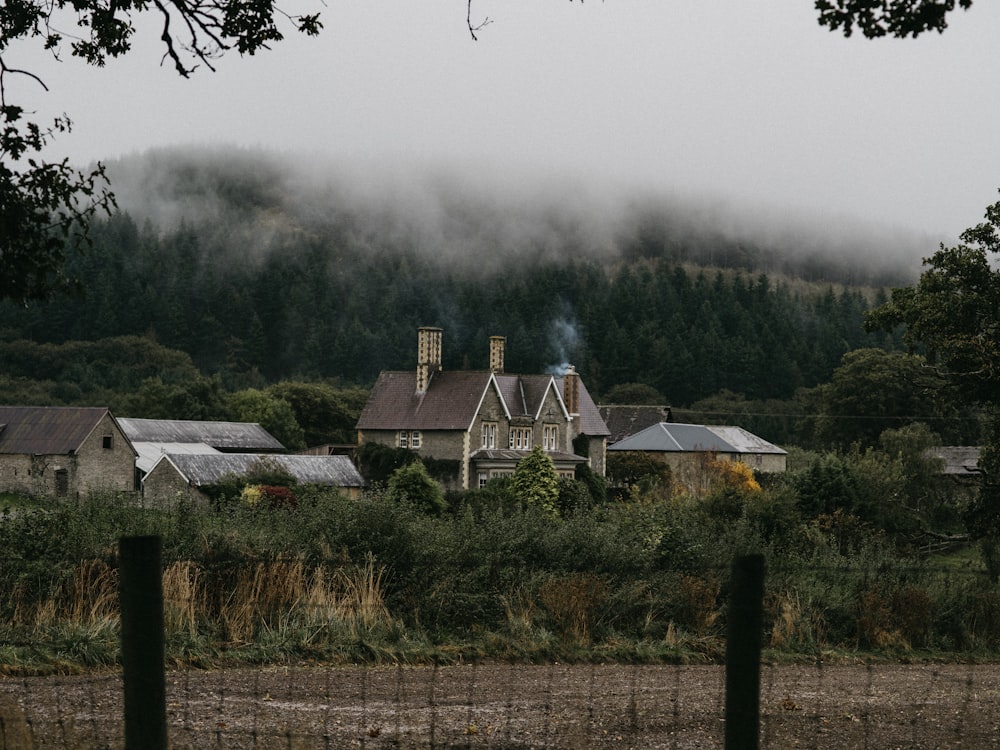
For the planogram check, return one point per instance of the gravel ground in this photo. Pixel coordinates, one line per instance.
(518, 706)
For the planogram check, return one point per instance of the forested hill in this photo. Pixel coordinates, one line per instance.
(240, 261)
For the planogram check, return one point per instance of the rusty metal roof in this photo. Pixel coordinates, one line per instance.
(47, 430)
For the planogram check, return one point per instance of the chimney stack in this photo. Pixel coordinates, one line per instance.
(496, 353)
(571, 390)
(428, 355)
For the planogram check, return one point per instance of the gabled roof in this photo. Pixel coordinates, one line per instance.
(241, 436)
(449, 403)
(591, 422)
(452, 400)
(47, 430)
(150, 453)
(695, 438)
(207, 469)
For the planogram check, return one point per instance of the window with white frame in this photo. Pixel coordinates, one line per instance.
(550, 437)
(484, 477)
(520, 438)
(408, 439)
(489, 434)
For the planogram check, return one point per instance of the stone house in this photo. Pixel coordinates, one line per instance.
(685, 447)
(63, 451)
(483, 420)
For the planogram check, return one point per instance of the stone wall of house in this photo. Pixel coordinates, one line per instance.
(597, 455)
(768, 463)
(15, 474)
(105, 461)
(163, 486)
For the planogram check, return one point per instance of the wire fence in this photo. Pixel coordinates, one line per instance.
(493, 705)
(279, 611)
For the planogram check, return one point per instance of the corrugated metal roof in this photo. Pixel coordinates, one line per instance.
(242, 436)
(693, 438)
(744, 441)
(150, 453)
(47, 430)
(337, 471)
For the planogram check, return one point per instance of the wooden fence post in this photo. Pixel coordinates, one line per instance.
(140, 591)
(745, 622)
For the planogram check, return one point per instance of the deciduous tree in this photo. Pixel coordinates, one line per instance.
(46, 206)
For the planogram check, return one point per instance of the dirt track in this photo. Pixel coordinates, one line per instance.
(518, 706)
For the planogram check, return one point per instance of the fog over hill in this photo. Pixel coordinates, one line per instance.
(479, 221)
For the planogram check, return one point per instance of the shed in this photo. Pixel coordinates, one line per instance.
(186, 474)
(63, 451)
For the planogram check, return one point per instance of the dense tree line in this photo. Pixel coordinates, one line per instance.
(323, 305)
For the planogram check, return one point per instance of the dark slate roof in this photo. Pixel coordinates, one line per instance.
(337, 471)
(449, 403)
(959, 460)
(241, 436)
(624, 420)
(591, 422)
(694, 438)
(47, 430)
(453, 398)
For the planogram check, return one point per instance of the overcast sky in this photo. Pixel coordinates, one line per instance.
(748, 103)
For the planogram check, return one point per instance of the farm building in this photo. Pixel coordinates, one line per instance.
(63, 451)
(485, 421)
(154, 438)
(187, 475)
(685, 447)
(148, 435)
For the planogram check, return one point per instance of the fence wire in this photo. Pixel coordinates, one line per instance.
(493, 705)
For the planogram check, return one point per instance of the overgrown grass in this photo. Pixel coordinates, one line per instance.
(341, 581)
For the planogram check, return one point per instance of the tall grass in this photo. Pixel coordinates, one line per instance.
(337, 580)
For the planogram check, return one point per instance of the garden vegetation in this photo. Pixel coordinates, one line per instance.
(279, 574)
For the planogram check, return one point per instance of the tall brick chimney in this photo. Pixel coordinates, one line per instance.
(428, 355)
(496, 353)
(571, 390)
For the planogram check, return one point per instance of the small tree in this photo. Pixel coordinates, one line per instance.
(412, 484)
(536, 482)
